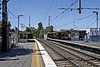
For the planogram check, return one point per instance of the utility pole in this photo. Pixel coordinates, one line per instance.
(0, 8)
(49, 20)
(29, 21)
(5, 28)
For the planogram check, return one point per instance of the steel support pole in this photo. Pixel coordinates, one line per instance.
(18, 29)
(96, 23)
(80, 6)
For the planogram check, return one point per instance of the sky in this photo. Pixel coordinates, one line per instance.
(39, 10)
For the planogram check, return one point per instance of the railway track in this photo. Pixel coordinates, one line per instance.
(73, 57)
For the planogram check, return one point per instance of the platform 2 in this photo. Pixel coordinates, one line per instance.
(89, 46)
(82, 43)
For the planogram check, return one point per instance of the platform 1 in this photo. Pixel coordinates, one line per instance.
(29, 54)
(46, 59)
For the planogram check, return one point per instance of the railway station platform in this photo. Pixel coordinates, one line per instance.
(88, 46)
(45, 58)
(27, 54)
(82, 43)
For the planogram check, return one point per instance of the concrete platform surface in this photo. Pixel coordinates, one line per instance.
(83, 43)
(26, 55)
(47, 60)
(20, 56)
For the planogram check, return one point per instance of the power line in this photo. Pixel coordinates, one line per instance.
(64, 11)
(76, 20)
(87, 22)
(85, 17)
(12, 13)
(48, 10)
(64, 25)
(90, 24)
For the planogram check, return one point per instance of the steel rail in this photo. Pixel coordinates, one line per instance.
(89, 62)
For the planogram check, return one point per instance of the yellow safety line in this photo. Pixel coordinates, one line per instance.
(36, 59)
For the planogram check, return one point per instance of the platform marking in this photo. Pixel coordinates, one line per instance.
(36, 58)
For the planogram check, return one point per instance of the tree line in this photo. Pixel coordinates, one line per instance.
(38, 33)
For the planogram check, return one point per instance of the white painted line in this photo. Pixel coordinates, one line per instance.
(48, 62)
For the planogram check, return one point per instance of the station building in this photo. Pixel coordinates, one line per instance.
(68, 34)
(23, 36)
(93, 34)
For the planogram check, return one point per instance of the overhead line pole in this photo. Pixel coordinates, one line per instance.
(79, 6)
(29, 21)
(97, 22)
(49, 20)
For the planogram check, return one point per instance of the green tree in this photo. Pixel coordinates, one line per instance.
(40, 27)
(41, 34)
(49, 29)
(28, 29)
(35, 33)
(32, 30)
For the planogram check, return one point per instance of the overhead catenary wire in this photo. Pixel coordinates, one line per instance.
(90, 24)
(87, 23)
(76, 20)
(64, 25)
(64, 11)
(12, 13)
(48, 10)
(85, 17)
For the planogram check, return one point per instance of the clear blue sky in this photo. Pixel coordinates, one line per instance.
(38, 10)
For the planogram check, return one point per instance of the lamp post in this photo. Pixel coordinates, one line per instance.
(18, 26)
(97, 22)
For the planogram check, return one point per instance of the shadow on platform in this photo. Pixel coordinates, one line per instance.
(16, 51)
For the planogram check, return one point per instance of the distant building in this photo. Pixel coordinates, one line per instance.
(93, 34)
(23, 36)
